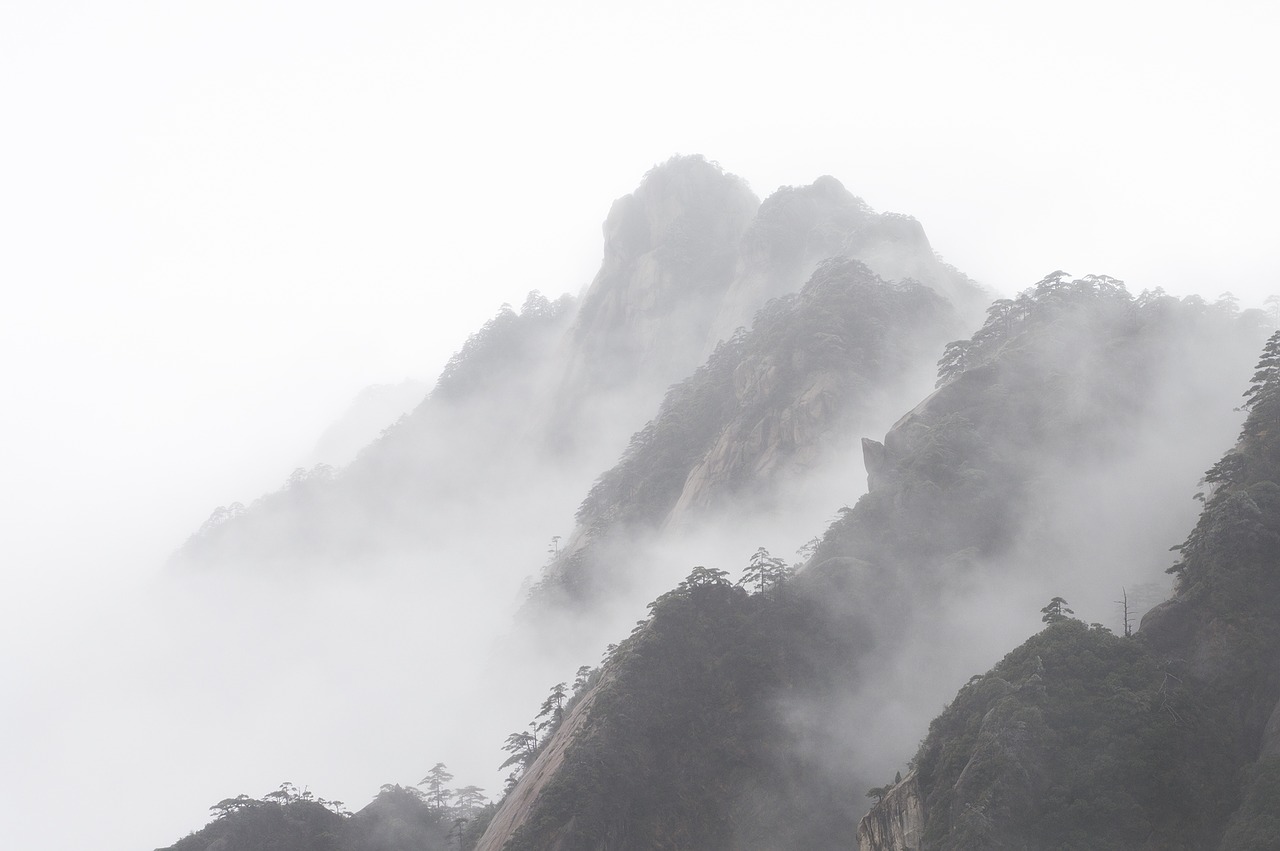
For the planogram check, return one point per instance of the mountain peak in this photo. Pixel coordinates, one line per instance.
(686, 198)
(670, 250)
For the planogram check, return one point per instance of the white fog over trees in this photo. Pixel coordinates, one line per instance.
(704, 428)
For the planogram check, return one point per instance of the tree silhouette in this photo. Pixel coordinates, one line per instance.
(470, 799)
(581, 678)
(764, 571)
(227, 806)
(704, 577)
(1268, 371)
(458, 830)
(806, 552)
(435, 781)
(552, 710)
(1000, 315)
(1056, 611)
(955, 360)
(522, 746)
(1123, 602)
(286, 794)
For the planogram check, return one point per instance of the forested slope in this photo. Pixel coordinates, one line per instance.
(790, 694)
(1082, 738)
(469, 431)
(397, 819)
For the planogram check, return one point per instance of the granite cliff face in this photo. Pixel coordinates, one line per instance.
(814, 371)
(781, 440)
(771, 402)
(517, 807)
(896, 823)
(669, 255)
(690, 258)
(767, 404)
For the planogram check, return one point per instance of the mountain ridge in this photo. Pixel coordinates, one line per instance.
(954, 501)
(751, 715)
(690, 255)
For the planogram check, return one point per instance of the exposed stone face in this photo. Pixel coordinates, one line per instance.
(517, 806)
(692, 254)
(1167, 625)
(896, 823)
(876, 459)
(785, 437)
(670, 250)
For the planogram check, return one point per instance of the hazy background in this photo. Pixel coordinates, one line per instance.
(218, 222)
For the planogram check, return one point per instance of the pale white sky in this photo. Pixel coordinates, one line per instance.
(218, 221)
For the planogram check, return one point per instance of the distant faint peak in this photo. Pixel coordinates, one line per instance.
(828, 184)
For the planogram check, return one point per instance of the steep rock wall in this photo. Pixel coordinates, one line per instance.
(670, 250)
(517, 805)
(896, 823)
(769, 401)
(788, 437)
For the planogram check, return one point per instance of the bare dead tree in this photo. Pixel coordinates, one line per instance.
(1128, 616)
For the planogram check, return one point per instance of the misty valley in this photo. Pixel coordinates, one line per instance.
(782, 534)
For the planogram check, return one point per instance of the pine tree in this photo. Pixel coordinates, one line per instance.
(523, 747)
(435, 782)
(955, 360)
(470, 799)
(581, 678)
(1264, 380)
(1056, 611)
(552, 710)
(764, 571)
(702, 577)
